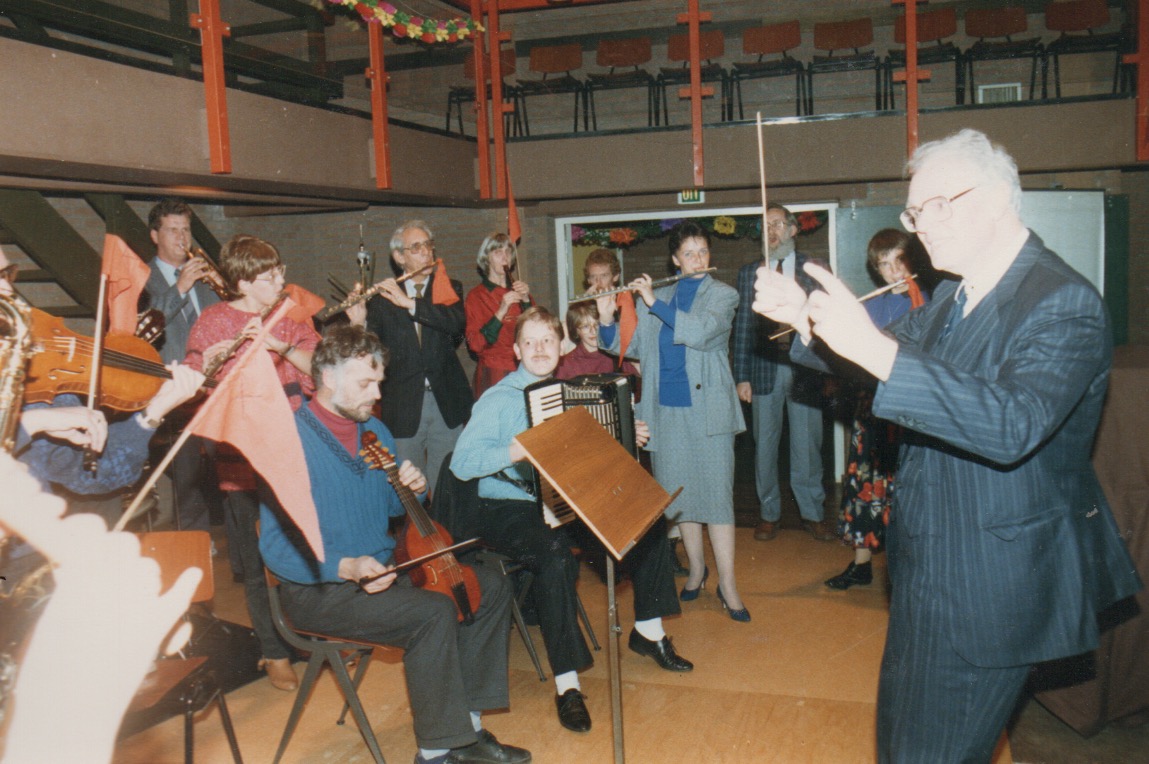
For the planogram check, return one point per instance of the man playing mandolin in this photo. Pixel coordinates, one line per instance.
(454, 671)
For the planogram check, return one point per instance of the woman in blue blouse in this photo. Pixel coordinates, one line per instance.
(690, 402)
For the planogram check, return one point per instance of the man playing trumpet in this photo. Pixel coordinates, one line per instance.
(175, 288)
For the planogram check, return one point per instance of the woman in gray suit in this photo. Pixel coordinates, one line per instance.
(690, 402)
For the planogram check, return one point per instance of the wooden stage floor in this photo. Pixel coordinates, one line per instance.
(797, 684)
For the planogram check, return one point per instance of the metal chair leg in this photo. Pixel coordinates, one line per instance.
(586, 623)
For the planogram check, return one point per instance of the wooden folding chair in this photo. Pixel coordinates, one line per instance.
(712, 45)
(772, 45)
(458, 95)
(624, 60)
(1078, 21)
(995, 30)
(843, 42)
(933, 48)
(555, 63)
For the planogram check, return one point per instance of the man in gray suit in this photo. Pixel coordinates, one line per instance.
(176, 289)
(1002, 548)
(772, 385)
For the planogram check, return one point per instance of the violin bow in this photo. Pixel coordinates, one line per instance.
(91, 458)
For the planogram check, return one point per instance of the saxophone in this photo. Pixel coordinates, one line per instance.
(15, 348)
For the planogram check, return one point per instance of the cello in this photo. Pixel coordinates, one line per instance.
(422, 535)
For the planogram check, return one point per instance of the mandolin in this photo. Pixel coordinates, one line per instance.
(422, 536)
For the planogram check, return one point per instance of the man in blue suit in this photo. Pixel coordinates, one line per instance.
(771, 384)
(1002, 548)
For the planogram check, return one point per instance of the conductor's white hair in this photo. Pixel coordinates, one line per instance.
(973, 147)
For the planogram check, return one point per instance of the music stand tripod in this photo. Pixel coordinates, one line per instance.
(610, 491)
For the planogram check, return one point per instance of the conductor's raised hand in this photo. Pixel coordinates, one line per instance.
(843, 324)
(781, 299)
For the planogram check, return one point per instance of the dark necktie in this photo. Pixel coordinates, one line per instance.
(418, 326)
(187, 312)
(957, 313)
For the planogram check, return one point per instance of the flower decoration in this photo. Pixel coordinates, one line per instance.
(725, 225)
(405, 26)
(623, 237)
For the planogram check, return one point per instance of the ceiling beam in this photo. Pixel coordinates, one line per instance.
(51, 241)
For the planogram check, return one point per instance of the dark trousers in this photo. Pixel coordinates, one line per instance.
(933, 705)
(451, 669)
(517, 529)
(191, 488)
(242, 509)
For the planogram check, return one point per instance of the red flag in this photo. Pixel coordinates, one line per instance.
(307, 304)
(127, 274)
(442, 293)
(627, 323)
(916, 299)
(250, 411)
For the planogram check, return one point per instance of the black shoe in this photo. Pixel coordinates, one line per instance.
(662, 651)
(854, 575)
(488, 750)
(572, 711)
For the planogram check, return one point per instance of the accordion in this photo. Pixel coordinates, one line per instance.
(610, 400)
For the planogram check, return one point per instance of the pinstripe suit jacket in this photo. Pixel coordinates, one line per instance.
(756, 357)
(705, 331)
(1001, 514)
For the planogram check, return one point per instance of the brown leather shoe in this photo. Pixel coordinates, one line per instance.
(765, 531)
(280, 672)
(822, 531)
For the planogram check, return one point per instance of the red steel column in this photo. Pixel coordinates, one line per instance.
(212, 30)
(912, 75)
(377, 74)
(695, 92)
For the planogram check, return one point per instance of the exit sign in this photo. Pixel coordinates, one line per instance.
(692, 196)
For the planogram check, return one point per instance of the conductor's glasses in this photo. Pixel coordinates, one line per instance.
(938, 208)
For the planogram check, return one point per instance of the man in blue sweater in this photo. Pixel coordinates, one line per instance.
(454, 672)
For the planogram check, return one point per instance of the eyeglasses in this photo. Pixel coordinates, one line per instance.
(428, 245)
(278, 272)
(8, 273)
(777, 225)
(938, 208)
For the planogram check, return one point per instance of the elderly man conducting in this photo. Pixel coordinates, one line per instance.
(1002, 548)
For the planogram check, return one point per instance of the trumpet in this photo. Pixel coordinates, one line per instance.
(368, 293)
(212, 277)
(654, 285)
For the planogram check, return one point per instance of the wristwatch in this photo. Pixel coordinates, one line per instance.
(147, 422)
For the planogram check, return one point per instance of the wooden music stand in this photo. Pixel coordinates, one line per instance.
(616, 498)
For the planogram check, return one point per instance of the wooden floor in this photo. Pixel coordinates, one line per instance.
(797, 684)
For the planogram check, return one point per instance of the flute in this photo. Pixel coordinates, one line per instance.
(863, 298)
(211, 369)
(653, 284)
(367, 294)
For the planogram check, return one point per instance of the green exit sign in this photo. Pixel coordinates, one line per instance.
(692, 196)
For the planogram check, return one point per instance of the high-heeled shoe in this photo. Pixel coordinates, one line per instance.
(689, 595)
(742, 615)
